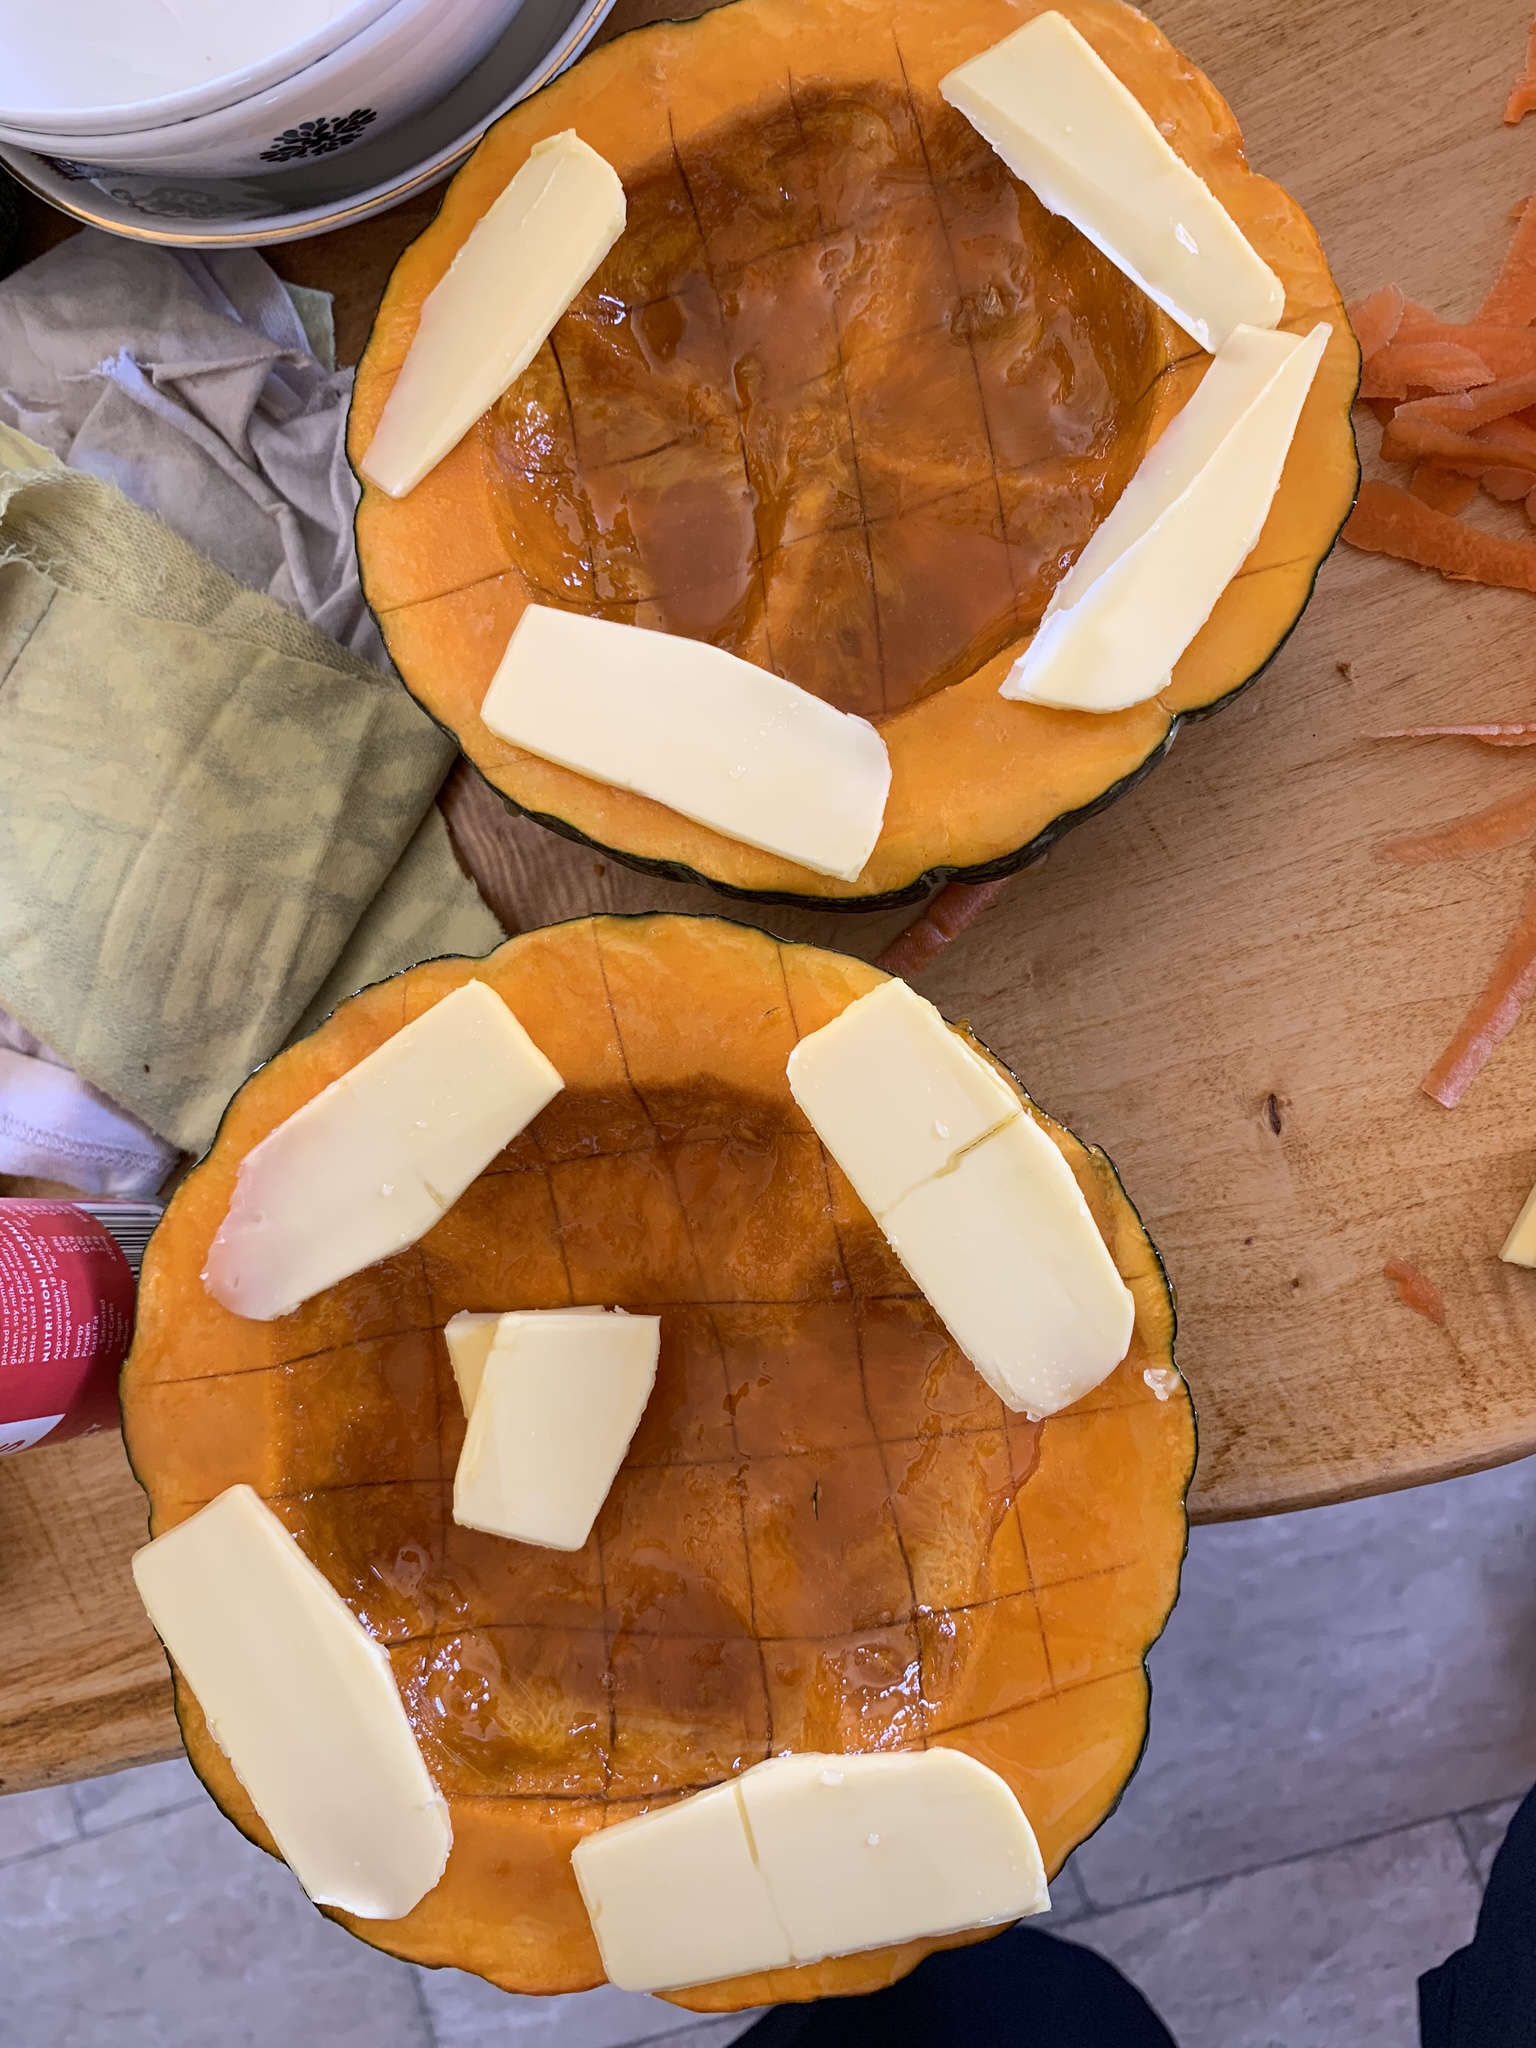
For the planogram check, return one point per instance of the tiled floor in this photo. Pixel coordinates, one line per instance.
(1344, 1713)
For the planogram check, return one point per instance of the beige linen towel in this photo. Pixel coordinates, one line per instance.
(214, 822)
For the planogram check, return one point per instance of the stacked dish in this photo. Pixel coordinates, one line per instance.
(317, 112)
(236, 91)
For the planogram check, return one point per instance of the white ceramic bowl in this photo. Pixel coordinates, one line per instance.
(314, 195)
(409, 57)
(105, 67)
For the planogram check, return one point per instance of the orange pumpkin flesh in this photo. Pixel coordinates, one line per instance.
(828, 1534)
(845, 400)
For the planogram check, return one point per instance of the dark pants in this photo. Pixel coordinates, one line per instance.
(1026, 1989)
(1484, 1996)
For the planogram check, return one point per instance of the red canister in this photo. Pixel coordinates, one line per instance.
(68, 1277)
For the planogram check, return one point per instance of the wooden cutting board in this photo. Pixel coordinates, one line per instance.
(1218, 981)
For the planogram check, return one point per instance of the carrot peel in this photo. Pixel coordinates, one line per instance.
(1508, 485)
(1522, 94)
(1415, 1290)
(1387, 520)
(1510, 732)
(1512, 302)
(956, 906)
(1466, 409)
(1492, 1016)
(1447, 490)
(1376, 318)
(1430, 365)
(1414, 438)
(1501, 824)
(1506, 351)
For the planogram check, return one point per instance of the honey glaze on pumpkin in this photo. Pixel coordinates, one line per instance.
(819, 1479)
(844, 399)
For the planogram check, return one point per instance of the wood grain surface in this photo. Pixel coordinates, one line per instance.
(1218, 981)
(84, 1685)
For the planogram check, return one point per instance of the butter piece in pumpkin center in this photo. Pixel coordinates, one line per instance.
(559, 1397)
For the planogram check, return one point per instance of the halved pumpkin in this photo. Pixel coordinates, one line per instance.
(828, 1534)
(845, 400)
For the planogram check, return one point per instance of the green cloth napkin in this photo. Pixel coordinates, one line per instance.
(214, 822)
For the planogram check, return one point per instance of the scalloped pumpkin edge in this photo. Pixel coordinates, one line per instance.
(181, 1692)
(997, 869)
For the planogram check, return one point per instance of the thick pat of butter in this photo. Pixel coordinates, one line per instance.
(470, 1335)
(864, 1850)
(723, 742)
(894, 1094)
(484, 322)
(676, 1897)
(559, 1398)
(827, 1855)
(370, 1164)
(1011, 1260)
(1062, 122)
(303, 1703)
(977, 1203)
(1520, 1245)
(1151, 574)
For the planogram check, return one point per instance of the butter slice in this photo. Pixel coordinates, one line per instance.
(676, 1897)
(484, 322)
(303, 1703)
(470, 1335)
(560, 1397)
(827, 1855)
(894, 1094)
(1151, 575)
(1011, 1260)
(1520, 1245)
(1062, 122)
(975, 1200)
(864, 1850)
(723, 742)
(370, 1164)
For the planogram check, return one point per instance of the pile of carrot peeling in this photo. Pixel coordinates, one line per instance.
(1457, 406)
